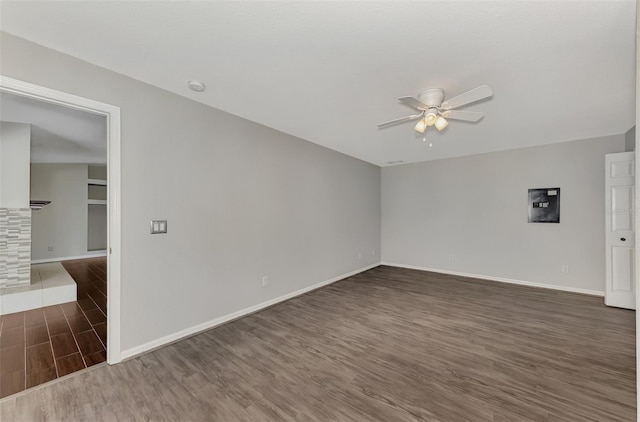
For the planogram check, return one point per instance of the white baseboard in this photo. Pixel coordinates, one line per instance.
(171, 338)
(69, 258)
(500, 279)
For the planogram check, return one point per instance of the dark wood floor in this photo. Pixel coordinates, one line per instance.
(40, 345)
(385, 345)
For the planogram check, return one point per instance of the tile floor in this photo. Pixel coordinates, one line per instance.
(43, 344)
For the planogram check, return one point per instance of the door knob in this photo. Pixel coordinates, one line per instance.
(623, 239)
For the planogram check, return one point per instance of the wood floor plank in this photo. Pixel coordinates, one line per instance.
(63, 345)
(39, 357)
(36, 334)
(89, 342)
(388, 344)
(69, 364)
(12, 359)
(41, 377)
(12, 382)
(12, 337)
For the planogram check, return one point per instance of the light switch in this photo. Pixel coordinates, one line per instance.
(158, 226)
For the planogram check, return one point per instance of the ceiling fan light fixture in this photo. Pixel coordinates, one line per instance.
(435, 111)
(421, 126)
(441, 123)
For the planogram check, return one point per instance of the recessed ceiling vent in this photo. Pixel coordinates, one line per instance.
(37, 205)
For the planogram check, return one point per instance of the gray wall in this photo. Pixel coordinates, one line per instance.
(15, 215)
(469, 214)
(241, 200)
(97, 213)
(97, 227)
(15, 156)
(630, 139)
(63, 223)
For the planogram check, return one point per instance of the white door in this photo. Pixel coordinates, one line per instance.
(619, 230)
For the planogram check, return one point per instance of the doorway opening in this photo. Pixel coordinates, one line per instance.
(76, 332)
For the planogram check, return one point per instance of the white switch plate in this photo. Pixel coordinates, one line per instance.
(158, 226)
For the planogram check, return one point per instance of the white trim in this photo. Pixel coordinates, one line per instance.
(637, 214)
(171, 338)
(95, 254)
(97, 182)
(96, 201)
(500, 279)
(112, 113)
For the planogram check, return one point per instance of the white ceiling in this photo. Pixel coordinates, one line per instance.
(328, 72)
(58, 134)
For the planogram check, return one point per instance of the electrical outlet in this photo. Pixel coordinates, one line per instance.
(359, 255)
(451, 258)
(265, 280)
(565, 269)
(373, 252)
(50, 248)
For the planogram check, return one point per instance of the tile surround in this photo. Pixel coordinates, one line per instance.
(15, 247)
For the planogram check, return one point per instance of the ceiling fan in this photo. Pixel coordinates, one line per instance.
(435, 110)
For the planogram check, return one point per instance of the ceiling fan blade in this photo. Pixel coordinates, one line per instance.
(469, 116)
(476, 94)
(400, 120)
(413, 103)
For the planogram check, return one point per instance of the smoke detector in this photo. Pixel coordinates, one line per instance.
(196, 86)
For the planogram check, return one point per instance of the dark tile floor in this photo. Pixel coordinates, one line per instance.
(43, 344)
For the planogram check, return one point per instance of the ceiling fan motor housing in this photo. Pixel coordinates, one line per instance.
(432, 97)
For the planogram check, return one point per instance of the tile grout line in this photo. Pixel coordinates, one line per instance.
(85, 315)
(104, 346)
(53, 355)
(92, 329)
(24, 348)
(75, 340)
(86, 282)
(93, 326)
(100, 278)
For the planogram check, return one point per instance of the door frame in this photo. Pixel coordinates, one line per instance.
(112, 114)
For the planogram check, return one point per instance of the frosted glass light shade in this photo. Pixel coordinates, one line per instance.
(421, 126)
(430, 118)
(441, 123)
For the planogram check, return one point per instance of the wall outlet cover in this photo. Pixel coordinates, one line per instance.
(158, 226)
